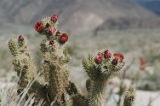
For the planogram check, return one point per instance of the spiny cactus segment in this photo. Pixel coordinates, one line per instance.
(99, 69)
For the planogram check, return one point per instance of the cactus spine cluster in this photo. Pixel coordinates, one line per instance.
(55, 71)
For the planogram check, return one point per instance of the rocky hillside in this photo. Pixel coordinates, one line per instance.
(77, 14)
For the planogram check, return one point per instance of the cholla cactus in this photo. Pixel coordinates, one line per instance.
(99, 70)
(55, 70)
(24, 66)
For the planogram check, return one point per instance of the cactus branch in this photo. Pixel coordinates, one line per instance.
(129, 97)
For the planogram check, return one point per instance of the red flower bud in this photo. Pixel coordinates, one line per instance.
(39, 26)
(63, 38)
(119, 56)
(115, 61)
(142, 61)
(20, 38)
(58, 33)
(47, 25)
(107, 54)
(142, 68)
(51, 42)
(98, 58)
(51, 30)
(54, 18)
(25, 66)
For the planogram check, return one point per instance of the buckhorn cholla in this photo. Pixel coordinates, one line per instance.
(57, 86)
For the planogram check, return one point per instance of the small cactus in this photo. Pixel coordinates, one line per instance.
(99, 70)
(55, 70)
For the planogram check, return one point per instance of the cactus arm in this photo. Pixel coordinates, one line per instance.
(99, 70)
(55, 68)
(88, 85)
(56, 84)
(77, 98)
(129, 97)
(25, 69)
(96, 93)
(22, 62)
